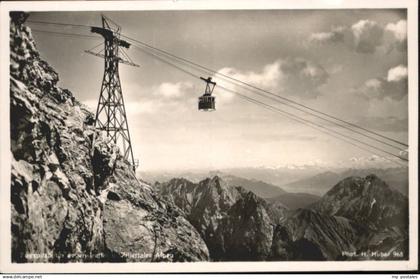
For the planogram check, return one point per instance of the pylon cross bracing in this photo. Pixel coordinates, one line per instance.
(111, 116)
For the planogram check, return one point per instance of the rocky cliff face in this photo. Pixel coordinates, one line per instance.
(238, 225)
(368, 200)
(67, 203)
(308, 235)
(380, 214)
(234, 223)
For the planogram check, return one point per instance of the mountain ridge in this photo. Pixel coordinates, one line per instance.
(313, 233)
(322, 182)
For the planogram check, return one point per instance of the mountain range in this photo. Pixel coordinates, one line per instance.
(320, 183)
(359, 218)
(272, 176)
(272, 182)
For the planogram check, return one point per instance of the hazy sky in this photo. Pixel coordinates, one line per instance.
(349, 63)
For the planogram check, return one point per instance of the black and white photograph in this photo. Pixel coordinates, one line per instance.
(223, 137)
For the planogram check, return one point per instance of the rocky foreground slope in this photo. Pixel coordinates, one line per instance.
(70, 205)
(359, 218)
(234, 223)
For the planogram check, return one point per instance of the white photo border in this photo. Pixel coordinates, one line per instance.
(288, 266)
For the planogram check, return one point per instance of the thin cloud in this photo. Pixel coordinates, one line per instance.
(394, 85)
(267, 78)
(399, 33)
(172, 90)
(365, 36)
(302, 78)
(336, 35)
(372, 161)
(397, 74)
(292, 76)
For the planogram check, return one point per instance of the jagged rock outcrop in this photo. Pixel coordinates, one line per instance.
(234, 223)
(379, 213)
(67, 203)
(308, 235)
(238, 225)
(368, 200)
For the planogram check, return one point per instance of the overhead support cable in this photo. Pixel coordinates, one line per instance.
(290, 101)
(246, 86)
(73, 35)
(287, 101)
(57, 23)
(287, 114)
(325, 131)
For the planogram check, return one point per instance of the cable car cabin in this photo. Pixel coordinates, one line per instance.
(206, 103)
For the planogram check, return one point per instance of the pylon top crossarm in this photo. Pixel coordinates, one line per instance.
(113, 37)
(110, 36)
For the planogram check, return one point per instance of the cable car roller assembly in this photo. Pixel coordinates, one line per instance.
(111, 102)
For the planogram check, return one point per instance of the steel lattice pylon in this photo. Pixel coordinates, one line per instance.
(111, 116)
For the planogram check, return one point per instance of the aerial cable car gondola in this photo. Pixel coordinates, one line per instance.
(207, 101)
